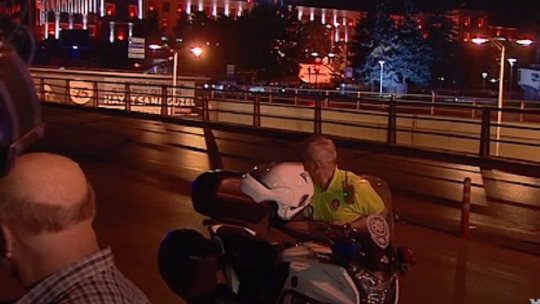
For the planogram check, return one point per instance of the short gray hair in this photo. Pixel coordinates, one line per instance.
(321, 149)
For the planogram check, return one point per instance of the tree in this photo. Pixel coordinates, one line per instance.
(415, 55)
(196, 28)
(375, 40)
(440, 30)
(317, 39)
(271, 39)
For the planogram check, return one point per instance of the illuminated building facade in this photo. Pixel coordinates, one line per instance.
(118, 16)
(170, 11)
(474, 23)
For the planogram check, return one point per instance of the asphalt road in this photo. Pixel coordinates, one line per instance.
(142, 171)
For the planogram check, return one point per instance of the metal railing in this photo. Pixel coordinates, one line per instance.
(466, 128)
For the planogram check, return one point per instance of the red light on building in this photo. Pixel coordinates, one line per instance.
(132, 11)
(110, 9)
(151, 5)
(121, 34)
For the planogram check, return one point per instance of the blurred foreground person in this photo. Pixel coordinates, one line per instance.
(47, 241)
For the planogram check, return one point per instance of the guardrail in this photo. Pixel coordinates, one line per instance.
(470, 129)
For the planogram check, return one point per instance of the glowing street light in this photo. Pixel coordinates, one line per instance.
(154, 47)
(511, 61)
(501, 43)
(381, 63)
(197, 51)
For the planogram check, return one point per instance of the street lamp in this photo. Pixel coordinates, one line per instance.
(502, 43)
(381, 63)
(511, 61)
(484, 75)
(197, 51)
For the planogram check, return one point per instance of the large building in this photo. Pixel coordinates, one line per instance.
(170, 11)
(117, 17)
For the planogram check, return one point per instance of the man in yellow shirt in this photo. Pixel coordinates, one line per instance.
(341, 197)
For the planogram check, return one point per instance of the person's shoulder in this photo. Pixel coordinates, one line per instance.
(353, 177)
(107, 287)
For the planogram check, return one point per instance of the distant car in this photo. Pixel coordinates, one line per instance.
(258, 88)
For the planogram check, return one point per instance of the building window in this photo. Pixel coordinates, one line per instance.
(165, 23)
(498, 33)
(207, 10)
(132, 11)
(193, 9)
(121, 35)
(221, 11)
(151, 5)
(233, 12)
(166, 7)
(467, 21)
(110, 9)
(466, 37)
(179, 8)
(480, 22)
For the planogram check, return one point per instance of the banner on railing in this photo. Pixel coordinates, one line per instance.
(145, 95)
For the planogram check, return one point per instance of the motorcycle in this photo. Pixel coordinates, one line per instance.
(253, 256)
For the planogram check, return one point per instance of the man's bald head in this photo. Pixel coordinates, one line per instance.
(45, 192)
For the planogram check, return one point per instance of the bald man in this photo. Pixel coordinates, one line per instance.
(341, 197)
(47, 240)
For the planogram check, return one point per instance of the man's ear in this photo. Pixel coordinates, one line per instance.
(6, 241)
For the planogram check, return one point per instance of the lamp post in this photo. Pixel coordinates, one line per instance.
(511, 61)
(381, 63)
(484, 76)
(501, 43)
(197, 51)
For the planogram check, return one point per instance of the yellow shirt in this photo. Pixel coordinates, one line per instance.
(330, 205)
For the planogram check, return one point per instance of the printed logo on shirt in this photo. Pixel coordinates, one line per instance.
(335, 204)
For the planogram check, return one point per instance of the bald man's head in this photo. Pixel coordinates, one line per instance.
(45, 193)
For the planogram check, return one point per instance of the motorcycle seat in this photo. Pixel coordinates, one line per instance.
(218, 194)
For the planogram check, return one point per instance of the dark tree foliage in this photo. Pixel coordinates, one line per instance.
(271, 39)
(407, 55)
(376, 39)
(414, 55)
(318, 39)
(150, 27)
(446, 52)
(266, 42)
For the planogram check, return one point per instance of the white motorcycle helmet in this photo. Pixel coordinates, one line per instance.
(287, 184)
